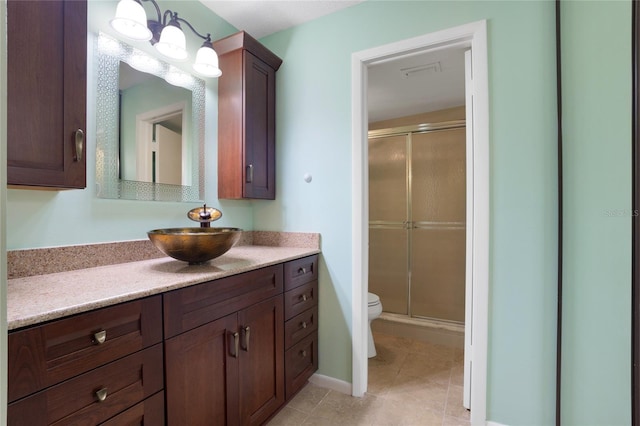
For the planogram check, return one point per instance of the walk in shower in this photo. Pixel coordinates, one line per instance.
(417, 204)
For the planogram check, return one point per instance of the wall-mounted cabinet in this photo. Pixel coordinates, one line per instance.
(46, 93)
(246, 118)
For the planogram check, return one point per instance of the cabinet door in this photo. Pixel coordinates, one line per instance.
(261, 366)
(201, 375)
(260, 128)
(46, 92)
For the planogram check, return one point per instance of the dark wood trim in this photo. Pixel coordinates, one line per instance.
(635, 228)
(560, 213)
(242, 40)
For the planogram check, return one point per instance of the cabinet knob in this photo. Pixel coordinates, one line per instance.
(303, 297)
(302, 270)
(303, 353)
(101, 394)
(100, 337)
(303, 324)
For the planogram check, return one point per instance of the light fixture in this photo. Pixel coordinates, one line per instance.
(168, 37)
(131, 20)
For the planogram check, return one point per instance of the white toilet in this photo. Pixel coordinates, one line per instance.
(375, 309)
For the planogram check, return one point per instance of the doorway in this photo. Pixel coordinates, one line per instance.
(472, 36)
(161, 148)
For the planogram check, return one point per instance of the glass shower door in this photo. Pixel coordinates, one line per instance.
(388, 234)
(438, 203)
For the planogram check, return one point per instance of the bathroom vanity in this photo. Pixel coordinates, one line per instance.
(159, 342)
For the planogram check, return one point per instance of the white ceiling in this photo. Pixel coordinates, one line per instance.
(412, 85)
(263, 17)
(433, 81)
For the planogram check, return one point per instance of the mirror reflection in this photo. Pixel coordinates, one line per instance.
(149, 126)
(154, 131)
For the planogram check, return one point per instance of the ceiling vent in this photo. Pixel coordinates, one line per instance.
(426, 69)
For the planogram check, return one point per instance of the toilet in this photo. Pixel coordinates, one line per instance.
(375, 309)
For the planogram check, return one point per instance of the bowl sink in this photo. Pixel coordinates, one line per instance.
(194, 245)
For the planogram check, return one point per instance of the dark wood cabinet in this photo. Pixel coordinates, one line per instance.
(233, 351)
(230, 369)
(261, 361)
(86, 368)
(93, 397)
(202, 375)
(301, 322)
(246, 118)
(46, 93)
(149, 412)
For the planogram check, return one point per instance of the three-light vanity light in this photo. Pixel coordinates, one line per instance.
(165, 33)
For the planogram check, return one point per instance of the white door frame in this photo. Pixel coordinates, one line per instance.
(144, 137)
(474, 35)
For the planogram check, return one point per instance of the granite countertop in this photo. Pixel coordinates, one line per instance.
(36, 299)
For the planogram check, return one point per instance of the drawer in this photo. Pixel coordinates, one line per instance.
(300, 299)
(301, 361)
(191, 307)
(149, 412)
(47, 354)
(300, 326)
(300, 271)
(126, 382)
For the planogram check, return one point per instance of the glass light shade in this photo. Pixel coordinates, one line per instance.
(207, 62)
(177, 77)
(143, 62)
(131, 20)
(173, 43)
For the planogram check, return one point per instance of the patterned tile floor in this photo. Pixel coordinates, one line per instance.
(411, 383)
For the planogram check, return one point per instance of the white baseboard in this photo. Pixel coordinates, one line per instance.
(490, 423)
(331, 383)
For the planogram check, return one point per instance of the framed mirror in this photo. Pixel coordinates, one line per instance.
(150, 126)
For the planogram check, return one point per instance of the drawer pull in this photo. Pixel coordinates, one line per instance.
(101, 394)
(236, 343)
(302, 270)
(303, 353)
(247, 335)
(100, 337)
(303, 324)
(303, 297)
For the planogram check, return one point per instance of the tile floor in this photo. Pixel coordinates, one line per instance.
(411, 383)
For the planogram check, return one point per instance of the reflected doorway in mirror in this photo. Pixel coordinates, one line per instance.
(161, 146)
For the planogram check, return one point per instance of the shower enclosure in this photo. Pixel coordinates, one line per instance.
(417, 200)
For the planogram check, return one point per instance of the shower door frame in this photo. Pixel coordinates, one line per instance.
(473, 35)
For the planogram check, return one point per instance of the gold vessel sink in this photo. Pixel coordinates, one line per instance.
(194, 245)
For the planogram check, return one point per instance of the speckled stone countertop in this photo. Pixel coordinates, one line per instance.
(36, 299)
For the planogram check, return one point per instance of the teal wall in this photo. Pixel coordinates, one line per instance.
(314, 136)
(596, 362)
(57, 218)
